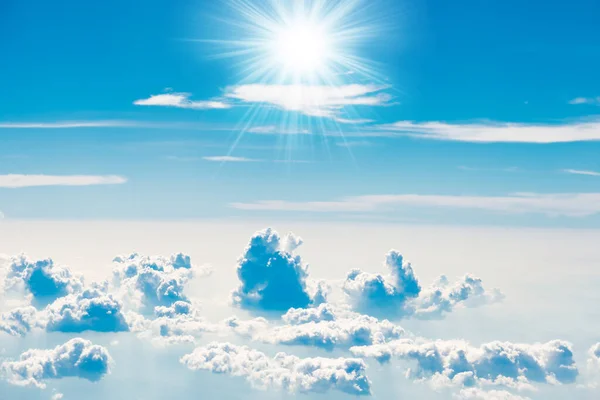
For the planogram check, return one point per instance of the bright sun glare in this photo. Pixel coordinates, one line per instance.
(302, 48)
(299, 41)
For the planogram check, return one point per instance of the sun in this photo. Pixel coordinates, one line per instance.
(298, 41)
(302, 48)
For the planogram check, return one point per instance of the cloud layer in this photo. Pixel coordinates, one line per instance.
(551, 204)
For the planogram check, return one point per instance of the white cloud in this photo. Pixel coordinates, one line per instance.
(478, 394)
(581, 172)
(458, 363)
(71, 124)
(399, 295)
(178, 323)
(13, 181)
(283, 371)
(43, 279)
(272, 129)
(493, 131)
(585, 100)
(324, 326)
(180, 100)
(272, 277)
(57, 396)
(146, 282)
(312, 100)
(90, 310)
(230, 159)
(553, 204)
(76, 358)
(19, 321)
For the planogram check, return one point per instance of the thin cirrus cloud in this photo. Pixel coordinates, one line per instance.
(492, 132)
(553, 204)
(180, 100)
(73, 124)
(585, 100)
(15, 181)
(581, 172)
(312, 100)
(230, 159)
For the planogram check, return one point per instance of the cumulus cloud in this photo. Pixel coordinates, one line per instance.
(312, 100)
(90, 310)
(179, 323)
(459, 363)
(76, 358)
(272, 278)
(283, 371)
(386, 294)
(324, 326)
(180, 100)
(443, 297)
(45, 280)
(20, 321)
(594, 360)
(146, 282)
(400, 295)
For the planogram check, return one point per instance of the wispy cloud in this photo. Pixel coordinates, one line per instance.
(581, 172)
(180, 100)
(230, 159)
(563, 204)
(507, 169)
(494, 132)
(354, 143)
(13, 181)
(586, 100)
(312, 100)
(275, 130)
(72, 124)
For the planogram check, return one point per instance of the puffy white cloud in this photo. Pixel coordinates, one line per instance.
(369, 292)
(478, 394)
(400, 294)
(283, 371)
(76, 358)
(19, 322)
(500, 363)
(594, 363)
(90, 310)
(322, 326)
(297, 316)
(45, 280)
(442, 297)
(272, 278)
(179, 323)
(146, 282)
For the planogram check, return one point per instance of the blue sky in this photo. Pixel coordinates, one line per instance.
(489, 72)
